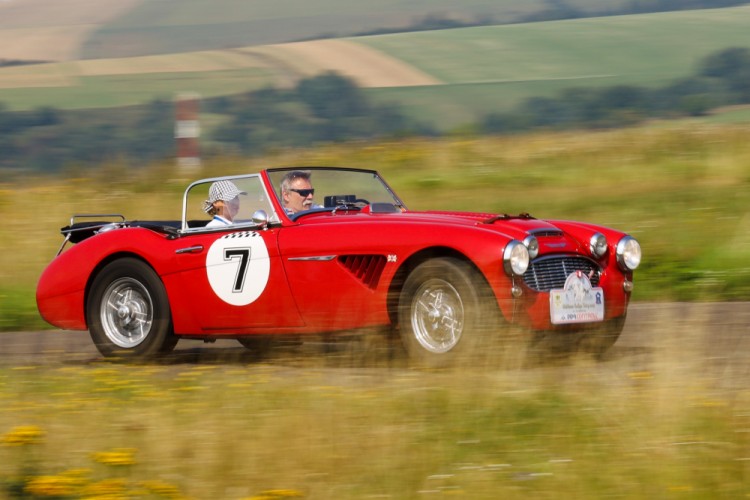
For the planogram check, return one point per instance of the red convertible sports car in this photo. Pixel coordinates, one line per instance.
(318, 250)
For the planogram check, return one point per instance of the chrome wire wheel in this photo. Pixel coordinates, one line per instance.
(126, 313)
(437, 316)
(446, 312)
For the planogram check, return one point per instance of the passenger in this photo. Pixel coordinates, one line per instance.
(297, 192)
(223, 203)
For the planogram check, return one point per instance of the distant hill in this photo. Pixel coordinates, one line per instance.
(63, 30)
(44, 30)
(447, 77)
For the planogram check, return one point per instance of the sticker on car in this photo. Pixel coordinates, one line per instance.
(238, 267)
(577, 301)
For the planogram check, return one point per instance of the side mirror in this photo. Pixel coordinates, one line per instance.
(260, 218)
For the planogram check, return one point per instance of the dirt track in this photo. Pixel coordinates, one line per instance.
(712, 338)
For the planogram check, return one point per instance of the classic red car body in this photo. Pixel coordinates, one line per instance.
(332, 269)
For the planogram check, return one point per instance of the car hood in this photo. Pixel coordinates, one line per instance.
(553, 236)
(515, 226)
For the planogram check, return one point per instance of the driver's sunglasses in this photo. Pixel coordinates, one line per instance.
(303, 192)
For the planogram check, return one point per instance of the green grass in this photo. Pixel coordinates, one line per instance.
(125, 90)
(454, 105)
(339, 426)
(18, 308)
(494, 68)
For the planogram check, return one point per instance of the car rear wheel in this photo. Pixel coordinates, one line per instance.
(445, 312)
(128, 311)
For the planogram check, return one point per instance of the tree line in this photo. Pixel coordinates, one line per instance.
(330, 108)
(556, 10)
(722, 79)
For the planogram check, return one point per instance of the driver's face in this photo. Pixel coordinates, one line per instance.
(295, 202)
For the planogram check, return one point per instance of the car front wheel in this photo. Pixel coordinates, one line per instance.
(599, 340)
(128, 311)
(445, 311)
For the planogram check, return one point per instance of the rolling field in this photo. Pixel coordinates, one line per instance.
(449, 77)
(39, 30)
(71, 29)
(196, 25)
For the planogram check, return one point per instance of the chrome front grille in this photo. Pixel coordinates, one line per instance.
(547, 273)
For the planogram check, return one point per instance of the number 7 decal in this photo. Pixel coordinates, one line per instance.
(238, 267)
(244, 256)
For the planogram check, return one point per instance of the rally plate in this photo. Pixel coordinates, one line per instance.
(577, 301)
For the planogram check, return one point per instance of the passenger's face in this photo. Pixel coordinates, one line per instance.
(295, 201)
(233, 206)
(228, 209)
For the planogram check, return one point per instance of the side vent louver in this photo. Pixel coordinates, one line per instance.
(367, 268)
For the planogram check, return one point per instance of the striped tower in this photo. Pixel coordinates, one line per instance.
(187, 130)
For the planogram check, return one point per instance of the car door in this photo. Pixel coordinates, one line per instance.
(233, 281)
(231, 278)
(338, 273)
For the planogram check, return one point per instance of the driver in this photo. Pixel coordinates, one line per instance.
(223, 203)
(297, 192)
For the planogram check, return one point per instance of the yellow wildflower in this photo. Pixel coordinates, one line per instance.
(116, 457)
(25, 434)
(276, 494)
(161, 488)
(107, 488)
(52, 486)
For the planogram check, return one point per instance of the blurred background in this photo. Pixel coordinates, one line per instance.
(627, 113)
(634, 114)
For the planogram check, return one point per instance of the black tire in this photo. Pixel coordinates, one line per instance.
(446, 312)
(259, 345)
(128, 311)
(601, 339)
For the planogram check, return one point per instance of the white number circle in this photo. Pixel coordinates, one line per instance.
(238, 267)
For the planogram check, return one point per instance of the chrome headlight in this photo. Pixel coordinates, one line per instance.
(516, 258)
(628, 253)
(532, 244)
(598, 245)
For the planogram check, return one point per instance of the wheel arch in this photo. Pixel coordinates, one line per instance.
(414, 260)
(104, 263)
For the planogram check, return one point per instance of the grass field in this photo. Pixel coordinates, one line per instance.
(494, 68)
(38, 30)
(682, 190)
(198, 26)
(352, 424)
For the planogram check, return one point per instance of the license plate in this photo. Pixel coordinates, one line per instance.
(577, 301)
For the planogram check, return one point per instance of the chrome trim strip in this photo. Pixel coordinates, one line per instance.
(94, 216)
(319, 258)
(195, 249)
(67, 239)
